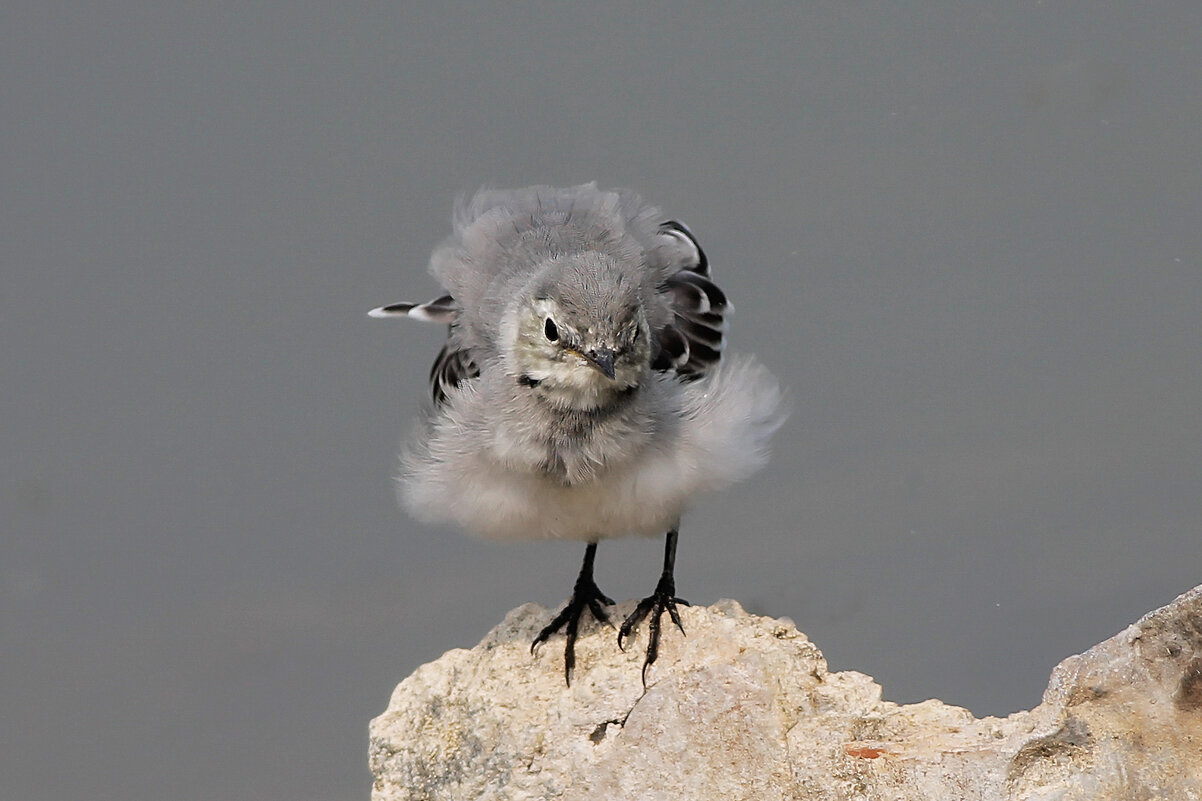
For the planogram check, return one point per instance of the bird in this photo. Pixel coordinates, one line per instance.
(584, 391)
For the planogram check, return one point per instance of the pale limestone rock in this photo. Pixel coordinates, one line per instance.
(744, 708)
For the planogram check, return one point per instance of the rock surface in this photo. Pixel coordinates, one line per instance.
(744, 708)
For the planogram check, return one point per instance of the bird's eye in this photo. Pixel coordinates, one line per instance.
(551, 331)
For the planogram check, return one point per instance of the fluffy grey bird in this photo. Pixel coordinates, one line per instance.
(582, 392)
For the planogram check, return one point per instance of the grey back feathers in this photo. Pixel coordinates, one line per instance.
(501, 235)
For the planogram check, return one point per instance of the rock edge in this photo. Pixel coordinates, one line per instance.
(745, 708)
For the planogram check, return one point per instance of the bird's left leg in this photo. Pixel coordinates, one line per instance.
(662, 600)
(585, 595)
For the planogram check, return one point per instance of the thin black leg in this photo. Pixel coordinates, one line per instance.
(585, 595)
(662, 600)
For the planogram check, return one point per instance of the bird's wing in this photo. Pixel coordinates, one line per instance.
(454, 364)
(692, 343)
(442, 309)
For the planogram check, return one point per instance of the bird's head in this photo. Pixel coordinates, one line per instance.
(579, 337)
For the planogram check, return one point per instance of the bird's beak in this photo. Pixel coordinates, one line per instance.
(603, 360)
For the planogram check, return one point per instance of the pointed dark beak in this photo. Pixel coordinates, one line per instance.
(603, 360)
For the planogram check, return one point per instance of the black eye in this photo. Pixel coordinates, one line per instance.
(550, 330)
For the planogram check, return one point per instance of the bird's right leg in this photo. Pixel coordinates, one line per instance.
(585, 595)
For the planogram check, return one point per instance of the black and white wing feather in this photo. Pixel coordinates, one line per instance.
(442, 309)
(693, 342)
(454, 364)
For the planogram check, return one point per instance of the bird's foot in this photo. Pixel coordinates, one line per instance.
(585, 595)
(653, 607)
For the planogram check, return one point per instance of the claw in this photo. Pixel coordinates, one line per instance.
(653, 607)
(585, 595)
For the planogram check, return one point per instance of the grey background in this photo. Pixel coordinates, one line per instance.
(966, 237)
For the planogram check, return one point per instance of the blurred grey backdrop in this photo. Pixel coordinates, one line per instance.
(967, 237)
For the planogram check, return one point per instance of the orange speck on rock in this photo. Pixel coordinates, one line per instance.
(863, 751)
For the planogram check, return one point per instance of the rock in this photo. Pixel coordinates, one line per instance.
(744, 708)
